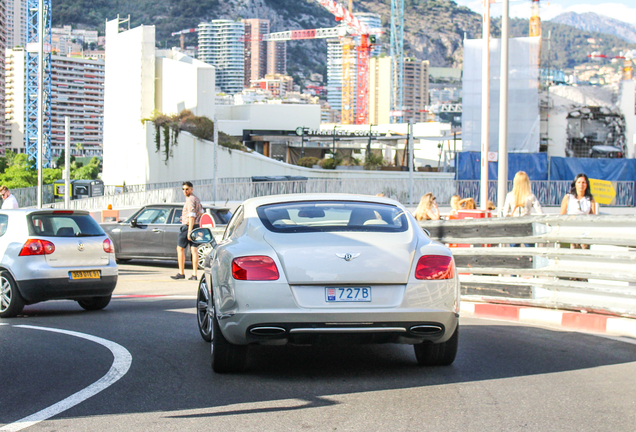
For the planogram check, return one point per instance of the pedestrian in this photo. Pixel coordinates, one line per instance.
(454, 203)
(467, 204)
(190, 217)
(427, 209)
(520, 201)
(8, 200)
(579, 201)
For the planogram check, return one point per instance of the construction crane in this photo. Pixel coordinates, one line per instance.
(182, 34)
(627, 69)
(535, 20)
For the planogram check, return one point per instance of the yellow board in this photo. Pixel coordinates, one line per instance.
(604, 191)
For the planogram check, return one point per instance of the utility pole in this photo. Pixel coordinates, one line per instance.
(502, 172)
(410, 143)
(216, 158)
(485, 104)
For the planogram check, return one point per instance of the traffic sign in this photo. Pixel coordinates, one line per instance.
(604, 191)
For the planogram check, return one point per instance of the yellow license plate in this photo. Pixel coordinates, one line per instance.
(87, 274)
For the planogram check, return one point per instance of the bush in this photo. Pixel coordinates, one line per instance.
(373, 161)
(308, 161)
(328, 163)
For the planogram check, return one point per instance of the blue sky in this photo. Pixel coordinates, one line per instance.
(624, 10)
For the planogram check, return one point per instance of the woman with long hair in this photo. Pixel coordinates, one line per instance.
(427, 209)
(580, 199)
(468, 204)
(520, 201)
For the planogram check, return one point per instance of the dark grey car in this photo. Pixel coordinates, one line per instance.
(152, 232)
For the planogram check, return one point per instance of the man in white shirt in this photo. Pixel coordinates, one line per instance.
(8, 200)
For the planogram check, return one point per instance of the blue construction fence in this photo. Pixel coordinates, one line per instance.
(551, 177)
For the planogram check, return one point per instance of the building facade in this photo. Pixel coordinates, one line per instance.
(220, 45)
(415, 90)
(277, 57)
(3, 46)
(77, 92)
(255, 49)
(16, 19)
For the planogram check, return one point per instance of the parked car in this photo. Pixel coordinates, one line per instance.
(323, 268)
(54, 254)
(152, 232)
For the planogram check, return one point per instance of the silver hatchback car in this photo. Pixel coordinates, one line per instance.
(52, 255)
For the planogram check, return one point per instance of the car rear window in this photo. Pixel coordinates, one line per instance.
(4, 220)
(318, 216)
(63, 225)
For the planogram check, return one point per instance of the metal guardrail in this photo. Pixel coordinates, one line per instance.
(600, 279)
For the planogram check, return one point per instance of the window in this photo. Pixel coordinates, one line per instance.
(63, 225)
(234, 223)
(322, 216)
(4, 221)
(153, 216)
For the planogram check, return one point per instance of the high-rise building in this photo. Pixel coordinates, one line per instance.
(374, 22)
(221, 45)
(255, 49)
(415, 91)
(3, 46)
(277, 57)
(334, 73)
(16, 11)
(77, 91)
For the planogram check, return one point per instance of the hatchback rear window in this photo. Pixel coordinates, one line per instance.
(317, 216)
(63, 225)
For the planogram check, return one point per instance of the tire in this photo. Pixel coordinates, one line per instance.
(94, 303)
(11, 302)
(205, 312)
(437, 354)
(226, 357)
(202, 251)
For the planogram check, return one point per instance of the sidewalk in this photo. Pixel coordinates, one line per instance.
(578, 321)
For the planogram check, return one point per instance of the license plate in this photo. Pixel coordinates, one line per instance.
(86, 274)
(348, 294)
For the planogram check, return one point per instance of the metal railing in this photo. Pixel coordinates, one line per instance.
(549, 193)
(601, 278)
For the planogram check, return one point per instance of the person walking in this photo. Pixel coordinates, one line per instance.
(8, 200)
(427, 209)
(190, 217)
(520, 201)
(579, 201)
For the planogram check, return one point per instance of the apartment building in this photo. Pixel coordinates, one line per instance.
(255, 49)
(221, 45)
(77, 91)
(277, 57)
(415, 90)
(16, 19)
(79, 35)
(3, 46)
(279, 85)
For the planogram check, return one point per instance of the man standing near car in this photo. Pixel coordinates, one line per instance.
(8, 200)
(190, 216)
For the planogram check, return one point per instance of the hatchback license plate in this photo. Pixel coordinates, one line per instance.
(86, 274)
(348, 294)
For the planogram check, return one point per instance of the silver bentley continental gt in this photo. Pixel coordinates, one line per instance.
(326, 268)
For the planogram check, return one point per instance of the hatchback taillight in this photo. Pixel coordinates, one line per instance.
(37, 247)
(435, 267)
(108, 246)
(254, 268)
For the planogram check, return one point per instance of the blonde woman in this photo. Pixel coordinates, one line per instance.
(455, 207)
(427, 209)
(468, 204)
(520, 201)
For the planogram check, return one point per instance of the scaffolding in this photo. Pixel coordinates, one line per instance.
(397, 60)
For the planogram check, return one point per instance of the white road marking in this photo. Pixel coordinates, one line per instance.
(121, 364)
(187, 311)
(4, 323)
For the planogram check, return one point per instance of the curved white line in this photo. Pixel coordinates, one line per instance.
(118, 369)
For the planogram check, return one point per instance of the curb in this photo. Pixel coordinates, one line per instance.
(587, 322)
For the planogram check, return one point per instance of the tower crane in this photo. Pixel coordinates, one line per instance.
(535, 20)
(182, 34)
(627, 69)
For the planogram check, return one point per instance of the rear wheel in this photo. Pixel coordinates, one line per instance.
(94, 303)
(11, 302)
(437, 354)
(205, 311)
(226, 357)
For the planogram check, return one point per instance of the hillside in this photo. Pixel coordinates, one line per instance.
(590, 21)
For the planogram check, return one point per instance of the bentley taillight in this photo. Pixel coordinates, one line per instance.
(434, 267)
(254, 268)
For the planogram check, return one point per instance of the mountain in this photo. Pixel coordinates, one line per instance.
(590, 21)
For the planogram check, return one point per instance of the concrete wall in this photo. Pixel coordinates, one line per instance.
(128, 98)
(183, 83)
(233, 119)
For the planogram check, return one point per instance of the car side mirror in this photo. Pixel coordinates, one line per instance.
(202, 236)
(133, 223)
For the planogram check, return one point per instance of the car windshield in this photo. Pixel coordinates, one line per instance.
(63, 224)
(320, 216)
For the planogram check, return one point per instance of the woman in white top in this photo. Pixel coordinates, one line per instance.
(580, 199)
(427, 209)
(579, 202)
(520, 201)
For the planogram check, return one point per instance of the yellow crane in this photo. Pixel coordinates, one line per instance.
(535, 20)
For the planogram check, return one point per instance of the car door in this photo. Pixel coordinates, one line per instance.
(171, 235)
(144, 236)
